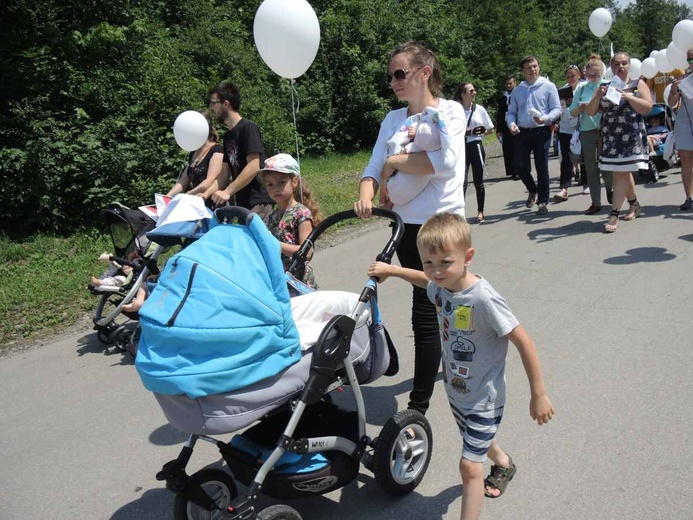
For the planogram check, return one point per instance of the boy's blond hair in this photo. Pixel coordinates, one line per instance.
(444, 232)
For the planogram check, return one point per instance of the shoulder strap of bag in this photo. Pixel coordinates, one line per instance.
(471, 113)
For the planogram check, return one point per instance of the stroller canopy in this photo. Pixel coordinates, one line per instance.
(220, 317)
(128, 228)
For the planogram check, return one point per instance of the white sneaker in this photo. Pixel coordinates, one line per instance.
(586, 190)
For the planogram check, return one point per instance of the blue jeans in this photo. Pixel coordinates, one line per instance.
(535, 140)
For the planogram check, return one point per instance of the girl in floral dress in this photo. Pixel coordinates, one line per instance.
(624, 139)
(292, 221)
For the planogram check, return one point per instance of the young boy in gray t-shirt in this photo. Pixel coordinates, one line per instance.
(475, 326)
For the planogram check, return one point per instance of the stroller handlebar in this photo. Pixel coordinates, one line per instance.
(298, 260)
(229, 213)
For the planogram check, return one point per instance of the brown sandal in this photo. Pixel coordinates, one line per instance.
(611, 228)
(499, 478)
(634, 210)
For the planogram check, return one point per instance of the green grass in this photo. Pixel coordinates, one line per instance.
(43, 280)
(334, 179)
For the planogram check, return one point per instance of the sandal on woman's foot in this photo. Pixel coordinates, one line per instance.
(611, 228)
(499, 478)
(634, 210)
(480, 217)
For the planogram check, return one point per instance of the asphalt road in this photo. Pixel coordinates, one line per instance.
(611, 315)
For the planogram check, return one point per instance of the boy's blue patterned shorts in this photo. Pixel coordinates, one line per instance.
(478, 428)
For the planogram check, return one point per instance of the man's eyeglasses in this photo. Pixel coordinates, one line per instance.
(214, 101)
(399, 74)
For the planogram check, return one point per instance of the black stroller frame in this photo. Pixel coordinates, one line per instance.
(398, 456)
(112, 299)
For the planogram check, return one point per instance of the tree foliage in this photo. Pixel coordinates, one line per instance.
(90, 89)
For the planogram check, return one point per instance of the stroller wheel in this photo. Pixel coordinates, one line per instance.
(104, 337)
(218, 484)
(134, 341)
(402, 453)
(121, 338)
(279, 512)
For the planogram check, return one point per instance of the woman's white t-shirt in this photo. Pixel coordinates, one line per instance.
(479, 118)
(445, 190)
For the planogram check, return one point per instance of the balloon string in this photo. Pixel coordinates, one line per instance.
(295, 104)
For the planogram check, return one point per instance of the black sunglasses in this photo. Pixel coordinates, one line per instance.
(399, 75)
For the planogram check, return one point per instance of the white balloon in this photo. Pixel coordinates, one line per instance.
(190, 130)
(682, 35)
(667, 90)
(662, 62)
(648, 68)
(600, 22)
(287, 36)
(677, 57)
(653, 54)
(635, 65)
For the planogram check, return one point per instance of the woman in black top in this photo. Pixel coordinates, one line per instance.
(204, 164)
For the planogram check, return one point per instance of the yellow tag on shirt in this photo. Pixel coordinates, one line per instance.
(462, 317)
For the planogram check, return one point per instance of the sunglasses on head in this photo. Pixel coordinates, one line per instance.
(690, 60)
(399, 74)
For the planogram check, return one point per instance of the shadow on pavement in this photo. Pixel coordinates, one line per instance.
(365, 499)
(90, 344)
(167, 435)
(548, 234)
(362, 498)
(641, 254)
(154, 504)
(689, 238)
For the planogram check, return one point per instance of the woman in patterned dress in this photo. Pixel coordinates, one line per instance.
(623, 136)
(291, 221)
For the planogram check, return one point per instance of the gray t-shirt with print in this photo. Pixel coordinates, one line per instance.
(474, 325)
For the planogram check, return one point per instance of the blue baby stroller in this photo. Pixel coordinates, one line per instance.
(224, 346)
(658, 123)
(128, 229)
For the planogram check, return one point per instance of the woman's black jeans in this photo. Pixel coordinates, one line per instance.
(476, 157)
(424, 322)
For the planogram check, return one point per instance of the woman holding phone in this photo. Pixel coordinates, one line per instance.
(589, 135)
(479, 124)
(623, 104)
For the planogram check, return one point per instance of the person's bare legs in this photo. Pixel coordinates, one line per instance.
(686, 157)
(633, 210)
(621, 190)
(472, 489)
(499, 458)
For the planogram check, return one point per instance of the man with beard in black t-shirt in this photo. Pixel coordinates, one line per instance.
(244, 155)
